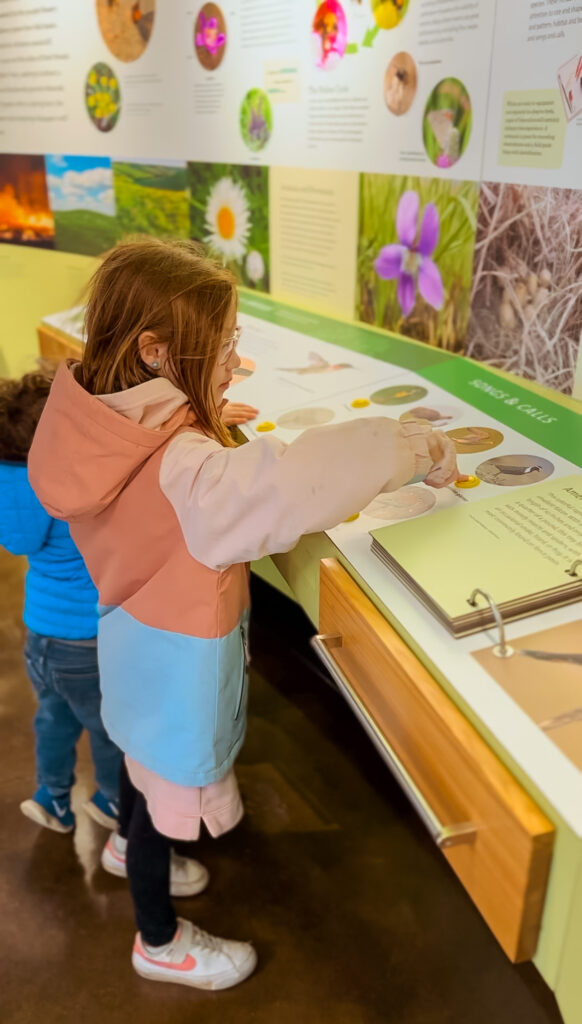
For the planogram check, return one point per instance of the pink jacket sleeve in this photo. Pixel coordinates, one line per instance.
(238, 504)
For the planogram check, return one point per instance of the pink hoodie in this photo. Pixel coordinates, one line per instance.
(167, 520)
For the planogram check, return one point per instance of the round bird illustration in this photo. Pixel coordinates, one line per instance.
(424, 413)
(518, 470)
(515, 470)
(317, 364)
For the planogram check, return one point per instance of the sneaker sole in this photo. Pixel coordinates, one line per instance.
(112, 867)
(183, 889)
(106, 820)
(41, 816)
(179, 890)
(228, 979)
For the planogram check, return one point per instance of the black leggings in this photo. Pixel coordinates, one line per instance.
(148, 866)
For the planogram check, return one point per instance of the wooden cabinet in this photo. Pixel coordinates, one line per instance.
(491, 832)
(55, 345)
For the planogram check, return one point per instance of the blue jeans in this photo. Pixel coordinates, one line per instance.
(65, 677)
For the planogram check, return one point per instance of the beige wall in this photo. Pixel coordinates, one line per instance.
(34, 282)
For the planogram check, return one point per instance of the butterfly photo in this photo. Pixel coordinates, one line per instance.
(447, 122)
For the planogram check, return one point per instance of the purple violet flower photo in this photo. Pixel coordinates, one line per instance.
(409, 261)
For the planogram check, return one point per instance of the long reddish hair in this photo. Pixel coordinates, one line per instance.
(173, 289)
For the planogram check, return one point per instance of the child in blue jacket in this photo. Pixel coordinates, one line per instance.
(60, 615)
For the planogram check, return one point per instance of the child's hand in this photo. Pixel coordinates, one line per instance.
(444, 469)
(235, 413)
(435, 453)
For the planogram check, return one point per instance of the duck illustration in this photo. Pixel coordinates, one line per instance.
(143, 21)
(517, 470)
(317, 364)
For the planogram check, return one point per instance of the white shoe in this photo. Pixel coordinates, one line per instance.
(187, 877)
(195, 958)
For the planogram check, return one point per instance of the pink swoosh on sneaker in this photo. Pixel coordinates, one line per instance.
(188, 963)
(114, 853)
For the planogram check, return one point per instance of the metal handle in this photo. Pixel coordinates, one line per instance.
(443, 835)
(502, 649)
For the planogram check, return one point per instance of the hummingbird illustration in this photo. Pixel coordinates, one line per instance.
(317, 364)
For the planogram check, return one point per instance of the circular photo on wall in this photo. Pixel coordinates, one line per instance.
(330, 33)
(126, 26)
(103, 97)
(400, 83)
(256, 119)
(447, 122)
(210, 36)
(388, 13)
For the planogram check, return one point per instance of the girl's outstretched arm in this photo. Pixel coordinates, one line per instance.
(238, 504)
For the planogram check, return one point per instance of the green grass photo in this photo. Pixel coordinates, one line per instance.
(152, 199)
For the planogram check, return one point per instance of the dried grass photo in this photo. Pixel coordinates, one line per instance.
(526, 309)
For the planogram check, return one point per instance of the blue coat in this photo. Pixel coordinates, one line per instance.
(60, 599)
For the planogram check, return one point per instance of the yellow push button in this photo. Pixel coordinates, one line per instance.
(265, 426)
(360, 403)
(471, 481)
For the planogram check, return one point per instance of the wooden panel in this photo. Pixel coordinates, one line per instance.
(54, 345)
(505, 869)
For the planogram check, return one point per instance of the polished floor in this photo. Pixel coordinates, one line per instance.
(356, 917)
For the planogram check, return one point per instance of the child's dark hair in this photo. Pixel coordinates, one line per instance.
(21, 405)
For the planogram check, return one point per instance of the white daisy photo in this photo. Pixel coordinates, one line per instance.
(227, 219)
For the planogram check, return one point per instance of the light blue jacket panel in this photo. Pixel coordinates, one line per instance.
(185, 723)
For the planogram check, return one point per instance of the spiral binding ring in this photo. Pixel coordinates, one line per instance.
(502, 649)
(572, 570)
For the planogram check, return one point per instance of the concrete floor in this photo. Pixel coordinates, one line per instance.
(357, 919)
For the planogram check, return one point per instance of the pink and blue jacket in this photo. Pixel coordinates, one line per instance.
(167, 520)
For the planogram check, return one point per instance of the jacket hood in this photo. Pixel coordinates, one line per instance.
(86, 447)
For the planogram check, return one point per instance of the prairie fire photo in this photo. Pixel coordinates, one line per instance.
(25, 215)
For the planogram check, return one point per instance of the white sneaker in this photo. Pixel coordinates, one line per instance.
(187, 877)
(195, 958)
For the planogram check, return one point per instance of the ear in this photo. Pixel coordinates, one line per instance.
(152, 351)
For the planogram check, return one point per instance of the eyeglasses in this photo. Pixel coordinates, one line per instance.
(229, 346)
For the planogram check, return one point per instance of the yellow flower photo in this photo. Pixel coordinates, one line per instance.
(103, 97)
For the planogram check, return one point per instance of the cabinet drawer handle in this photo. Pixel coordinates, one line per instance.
(443, 835)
